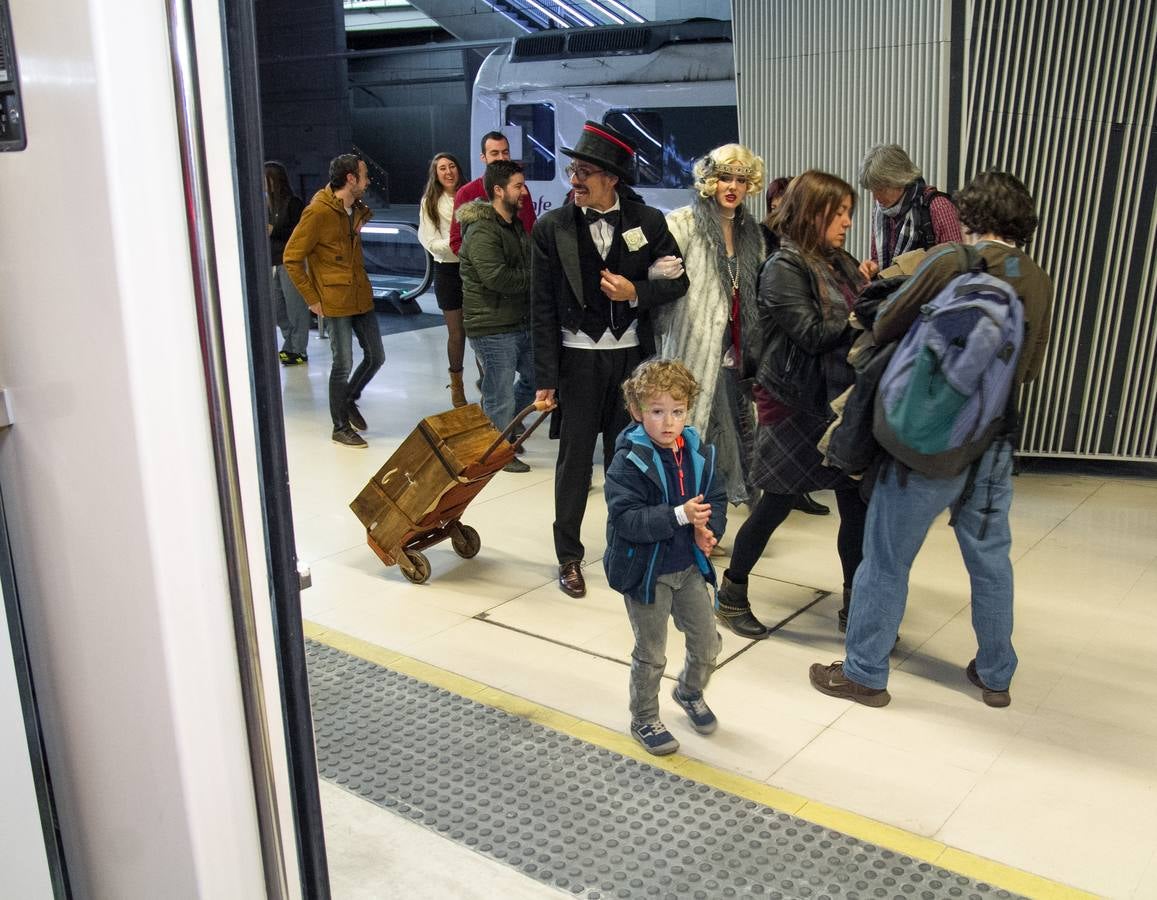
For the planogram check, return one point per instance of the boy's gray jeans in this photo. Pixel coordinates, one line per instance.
(682, 596)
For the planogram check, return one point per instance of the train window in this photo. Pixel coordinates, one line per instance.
(537, 123)
(670, 139)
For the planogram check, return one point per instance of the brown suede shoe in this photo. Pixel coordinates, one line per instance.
(995, 699)
(832, 681)
(570, 578)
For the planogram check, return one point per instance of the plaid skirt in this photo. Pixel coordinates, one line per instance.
(785, 459)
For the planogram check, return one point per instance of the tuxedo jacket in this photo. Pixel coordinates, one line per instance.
(557, 295)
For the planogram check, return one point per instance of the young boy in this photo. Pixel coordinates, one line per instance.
(666, 510)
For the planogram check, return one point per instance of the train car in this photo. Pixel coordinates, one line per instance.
(670, 86)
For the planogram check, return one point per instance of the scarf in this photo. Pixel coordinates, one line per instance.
(904, 231)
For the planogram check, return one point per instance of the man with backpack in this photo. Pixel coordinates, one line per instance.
(960, 456)
(908, 214)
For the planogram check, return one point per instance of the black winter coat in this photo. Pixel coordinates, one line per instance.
(797, 332)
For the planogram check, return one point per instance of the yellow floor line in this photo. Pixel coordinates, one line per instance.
(852, 824)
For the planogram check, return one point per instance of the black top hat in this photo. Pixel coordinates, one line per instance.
(606, 148)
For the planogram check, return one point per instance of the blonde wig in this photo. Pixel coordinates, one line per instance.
(732, 159)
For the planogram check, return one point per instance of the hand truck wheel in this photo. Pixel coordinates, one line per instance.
(465, 541)
(421, 571)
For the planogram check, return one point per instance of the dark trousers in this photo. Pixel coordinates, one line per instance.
(342, 386)
(590, 401)
(769, 513)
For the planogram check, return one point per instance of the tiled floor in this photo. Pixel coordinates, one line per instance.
(1062, 784)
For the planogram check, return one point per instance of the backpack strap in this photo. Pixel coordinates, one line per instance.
(922, 215)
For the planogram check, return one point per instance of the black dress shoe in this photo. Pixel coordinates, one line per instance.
(805, 504)
(570, 578)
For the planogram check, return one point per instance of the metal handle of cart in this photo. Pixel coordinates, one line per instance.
(543, 407)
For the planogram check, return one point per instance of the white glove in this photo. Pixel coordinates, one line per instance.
(665, 267)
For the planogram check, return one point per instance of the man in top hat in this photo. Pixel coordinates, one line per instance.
(591, 303)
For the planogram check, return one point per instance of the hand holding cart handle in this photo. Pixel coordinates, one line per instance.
(542, 407)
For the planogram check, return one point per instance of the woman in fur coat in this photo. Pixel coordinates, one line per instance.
(714, 328)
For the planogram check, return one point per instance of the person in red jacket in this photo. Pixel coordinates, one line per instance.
(495, 146)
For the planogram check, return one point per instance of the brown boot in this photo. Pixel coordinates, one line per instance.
(457, 392)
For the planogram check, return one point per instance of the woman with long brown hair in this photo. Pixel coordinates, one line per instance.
(435, 216)
(284, 210)
(805, 294)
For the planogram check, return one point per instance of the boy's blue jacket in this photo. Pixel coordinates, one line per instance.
(640, 513)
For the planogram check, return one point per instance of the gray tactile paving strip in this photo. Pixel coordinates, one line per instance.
(587, 821)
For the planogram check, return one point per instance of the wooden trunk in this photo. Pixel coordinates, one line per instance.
(428, 481)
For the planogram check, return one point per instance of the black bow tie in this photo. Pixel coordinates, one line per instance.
(611, 216)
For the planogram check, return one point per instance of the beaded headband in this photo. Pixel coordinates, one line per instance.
(718, 168)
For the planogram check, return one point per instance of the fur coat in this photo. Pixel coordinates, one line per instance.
(692, 329)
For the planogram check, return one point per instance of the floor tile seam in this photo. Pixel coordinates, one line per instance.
(748, 646)
(1141, 877)
(915, 647)
(554, 641)
(846, 822)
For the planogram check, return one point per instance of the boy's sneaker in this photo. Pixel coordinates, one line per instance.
(516, 465)
(702, 718)
(832, 681)
(347, 437)
(357, 422)
(655, 737)
(997, 699)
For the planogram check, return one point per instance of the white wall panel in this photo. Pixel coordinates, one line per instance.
(1062, 94)
(816, 83)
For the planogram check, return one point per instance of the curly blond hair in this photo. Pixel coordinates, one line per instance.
(653, 377)
(707, 178)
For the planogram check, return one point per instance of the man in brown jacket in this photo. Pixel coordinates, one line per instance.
(324, 260)
(998, 216)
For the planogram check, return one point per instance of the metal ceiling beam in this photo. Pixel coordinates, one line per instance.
(469, 20)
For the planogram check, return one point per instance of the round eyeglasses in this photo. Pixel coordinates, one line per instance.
(581, 173)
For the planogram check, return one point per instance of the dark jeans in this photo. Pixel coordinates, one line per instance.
(590, 400)
(769, 513)
(342, 387)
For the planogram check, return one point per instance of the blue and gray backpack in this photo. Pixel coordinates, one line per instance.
(947, 391)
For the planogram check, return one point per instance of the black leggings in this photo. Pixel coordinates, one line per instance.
(769, 513)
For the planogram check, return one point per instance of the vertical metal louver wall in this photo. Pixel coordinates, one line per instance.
(1063, 94)
(818, 84)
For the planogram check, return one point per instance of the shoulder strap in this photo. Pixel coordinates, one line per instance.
(922, 213)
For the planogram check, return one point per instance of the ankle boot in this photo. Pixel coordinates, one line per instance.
(733, 609)
(842, 615)
(457, 392)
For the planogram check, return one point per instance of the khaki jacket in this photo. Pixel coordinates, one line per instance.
(324, 256)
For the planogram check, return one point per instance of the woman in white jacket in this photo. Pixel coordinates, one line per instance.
(434, 218)
(714, 328)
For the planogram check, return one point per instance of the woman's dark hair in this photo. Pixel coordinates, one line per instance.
(775, 189)
(997, 203)
(809, 205)
(277, 187)
(434, 186)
